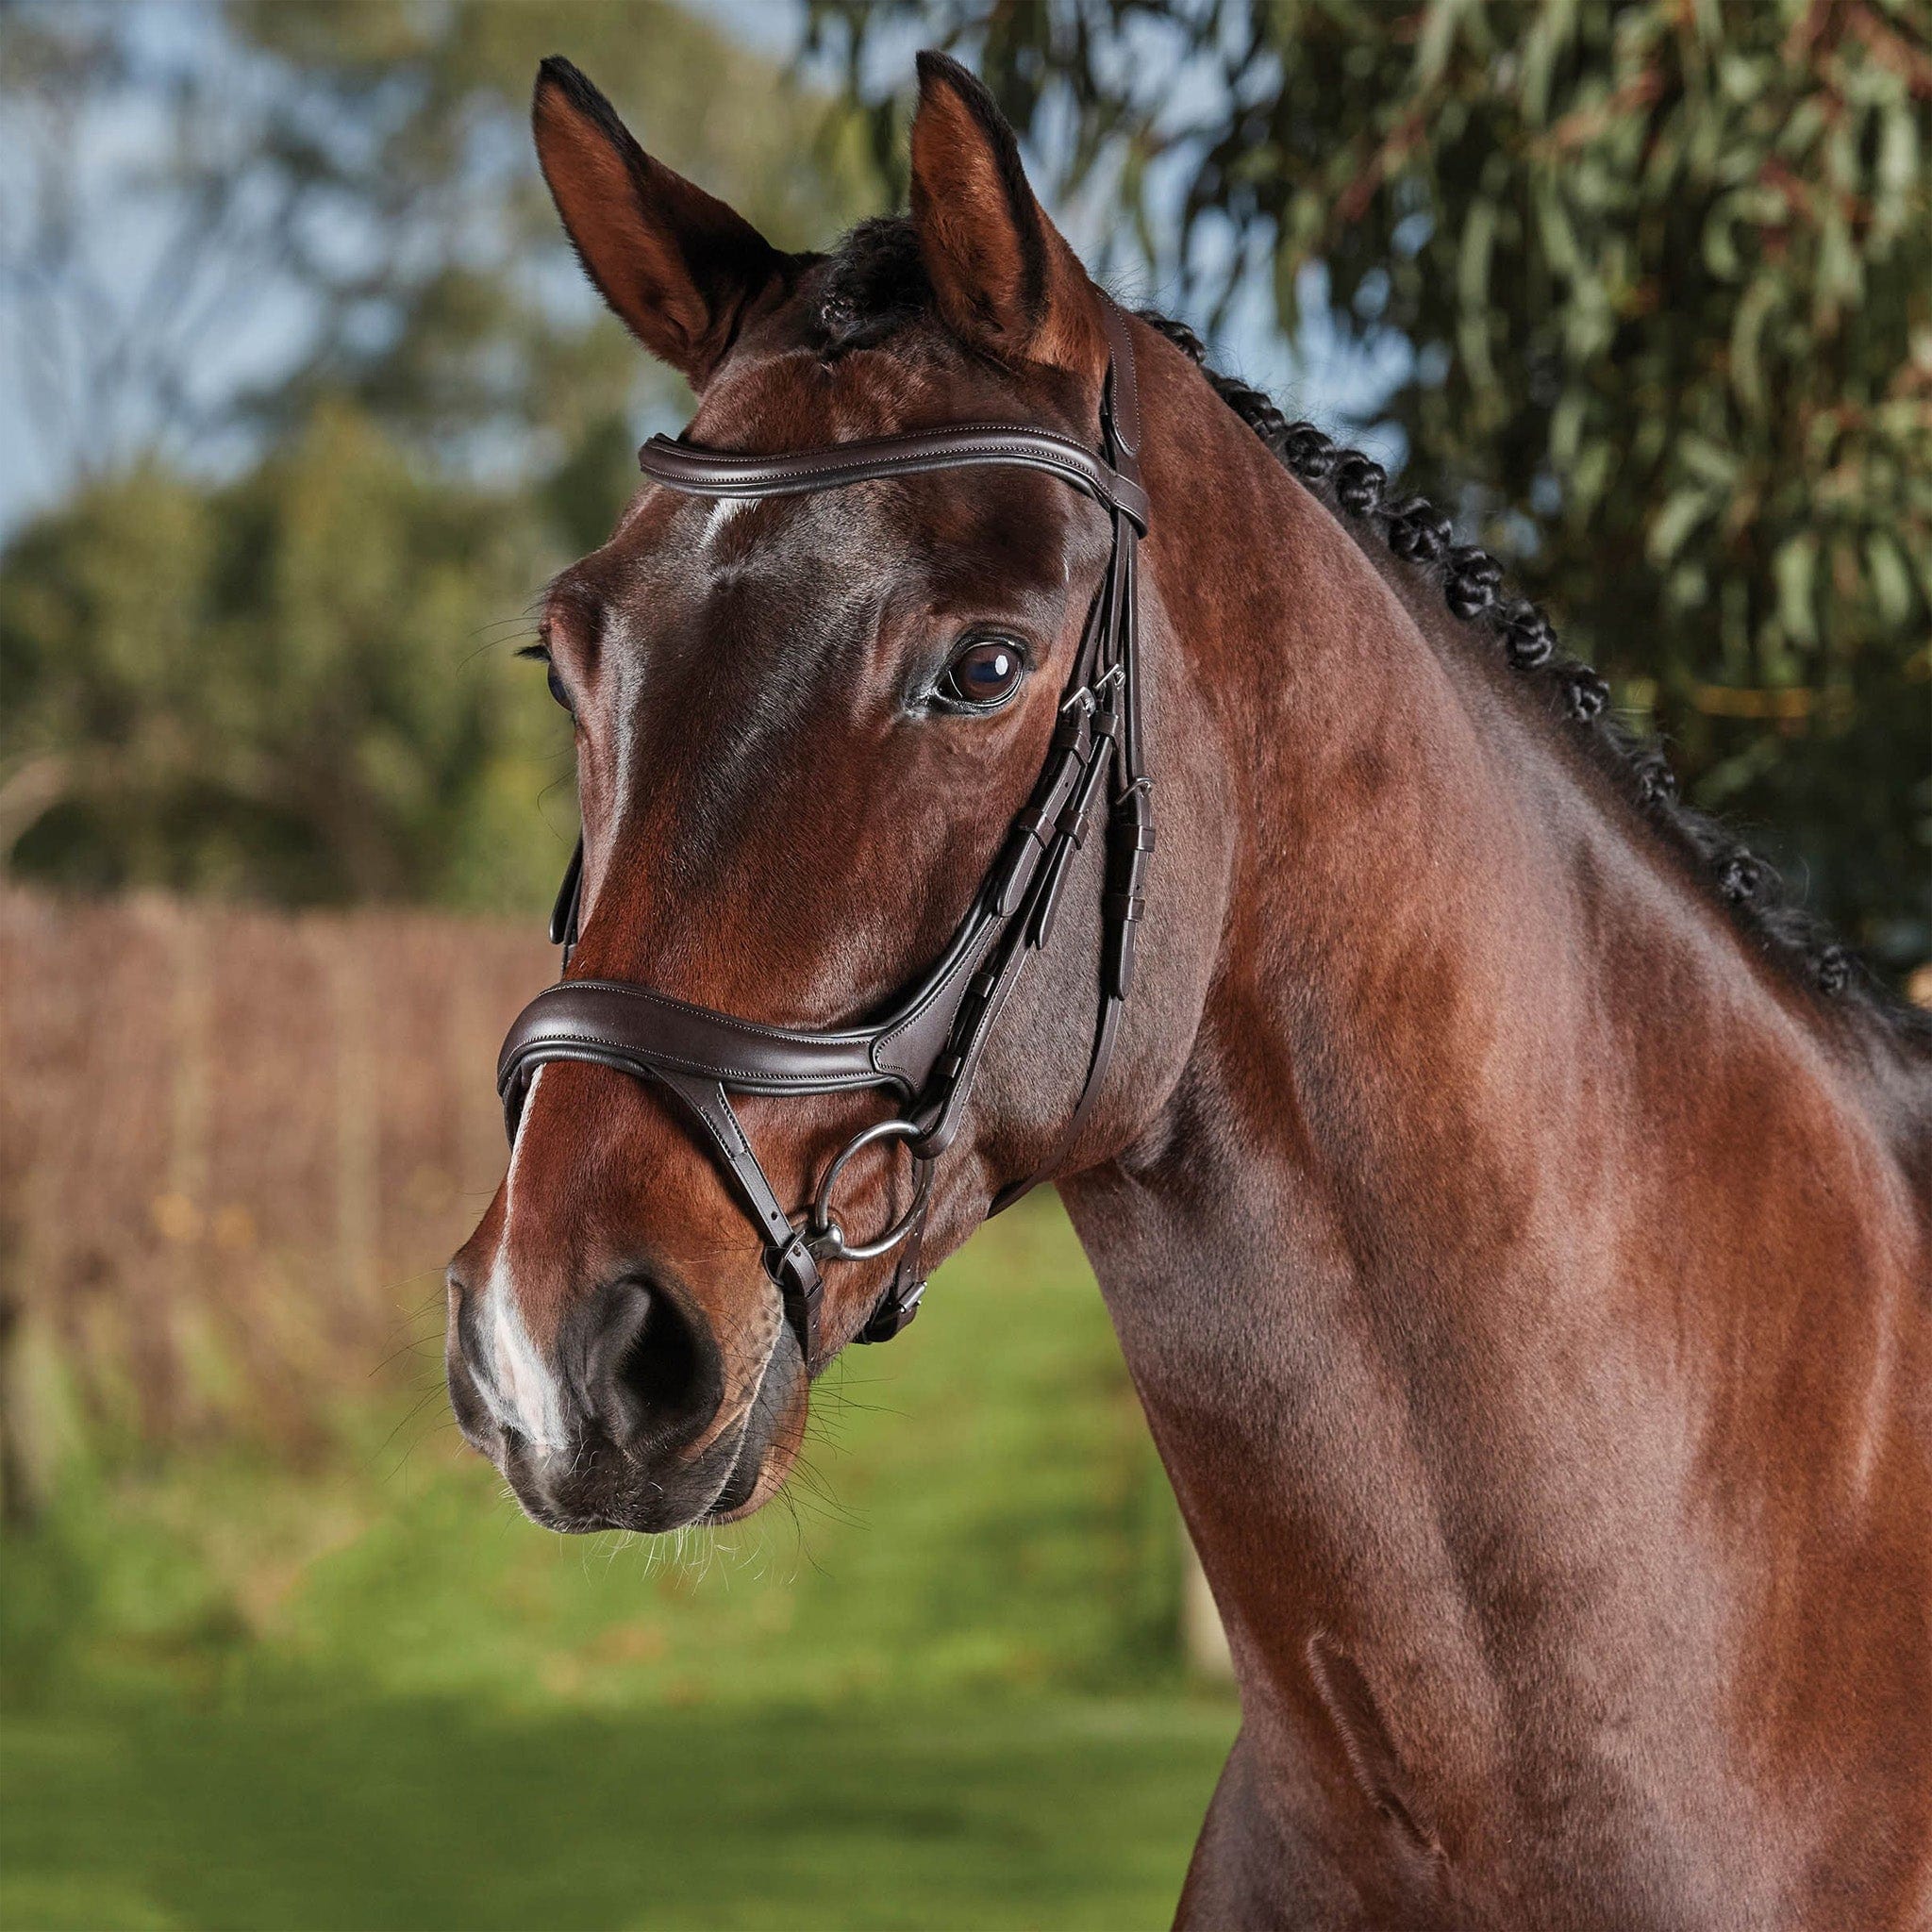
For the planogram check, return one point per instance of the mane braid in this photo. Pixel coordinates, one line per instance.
(1748, 887)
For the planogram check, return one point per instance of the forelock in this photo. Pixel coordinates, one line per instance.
(874, 284)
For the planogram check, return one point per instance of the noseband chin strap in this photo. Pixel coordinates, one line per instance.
(927, 1050)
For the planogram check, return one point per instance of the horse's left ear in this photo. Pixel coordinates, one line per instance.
(1003, 274)
(678, 265)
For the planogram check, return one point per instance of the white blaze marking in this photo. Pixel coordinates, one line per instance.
(523, 1394)
(721, 514)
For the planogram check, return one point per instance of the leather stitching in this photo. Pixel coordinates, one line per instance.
(538, 1048)
(680, 466)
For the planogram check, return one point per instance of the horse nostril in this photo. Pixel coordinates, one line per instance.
(460, 1372)
(653, 1376)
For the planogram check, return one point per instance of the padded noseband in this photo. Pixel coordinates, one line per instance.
(926, 1052)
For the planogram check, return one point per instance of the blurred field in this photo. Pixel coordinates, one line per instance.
(341, 1684)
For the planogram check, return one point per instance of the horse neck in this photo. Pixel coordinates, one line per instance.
(1403, 1268)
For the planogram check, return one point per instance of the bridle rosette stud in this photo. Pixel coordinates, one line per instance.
(926, 1052)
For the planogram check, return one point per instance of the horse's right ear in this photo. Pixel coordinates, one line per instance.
(677, 264)
(1004, 276)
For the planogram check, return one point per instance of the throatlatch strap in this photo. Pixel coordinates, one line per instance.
(1130, 815)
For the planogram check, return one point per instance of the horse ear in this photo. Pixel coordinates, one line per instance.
(1003, 274)
(676, 263)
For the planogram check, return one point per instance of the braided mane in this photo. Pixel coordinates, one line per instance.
(876, 283)
(1415, 530)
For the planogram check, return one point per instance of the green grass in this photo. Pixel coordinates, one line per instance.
(411, 1812)
(367, 1694)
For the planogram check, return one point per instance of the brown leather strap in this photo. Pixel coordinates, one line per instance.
(794, 473)
(788, 1257)
(661, 1033)
(1130, 821)
(1124, 394)
(563, 914)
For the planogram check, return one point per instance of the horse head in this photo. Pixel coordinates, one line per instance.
(807, 720)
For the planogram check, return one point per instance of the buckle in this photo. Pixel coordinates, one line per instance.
(894, 1315)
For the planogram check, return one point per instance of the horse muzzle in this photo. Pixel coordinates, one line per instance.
(638, 1416)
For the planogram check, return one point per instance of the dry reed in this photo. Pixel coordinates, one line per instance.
(236, 1148)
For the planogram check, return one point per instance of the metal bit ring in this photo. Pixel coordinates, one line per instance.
(828, 1238)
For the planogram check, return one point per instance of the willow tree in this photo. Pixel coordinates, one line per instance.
(1665, 268)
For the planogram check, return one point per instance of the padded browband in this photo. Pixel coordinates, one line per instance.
(609, 1016)
(798, 473)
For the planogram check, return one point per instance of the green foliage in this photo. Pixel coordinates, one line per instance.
(290, 686)
(294, 685)
(946, 1694)
(1667, 272)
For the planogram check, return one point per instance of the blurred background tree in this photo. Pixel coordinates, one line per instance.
(1662, 274)
(321, 400)
(279, 687)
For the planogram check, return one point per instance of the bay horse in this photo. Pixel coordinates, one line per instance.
(1517, 1228)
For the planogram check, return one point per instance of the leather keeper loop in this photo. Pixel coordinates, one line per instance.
(1127, 865)
(1075, 822)
(799, 1285)
(1129, 840)
(1058, 864)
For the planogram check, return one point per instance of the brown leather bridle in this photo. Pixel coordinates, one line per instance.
(927, 1050)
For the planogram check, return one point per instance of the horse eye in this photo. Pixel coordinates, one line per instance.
(987, 673)
(557, 690)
